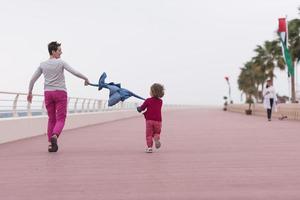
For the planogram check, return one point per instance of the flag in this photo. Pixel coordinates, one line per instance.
(283, 34)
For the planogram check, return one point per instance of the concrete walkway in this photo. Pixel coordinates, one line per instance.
(205, 154)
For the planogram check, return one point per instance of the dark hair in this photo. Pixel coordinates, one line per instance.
(269, 81)
(53, 46)
(157, 90)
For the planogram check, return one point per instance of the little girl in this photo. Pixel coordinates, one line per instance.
(153, 116)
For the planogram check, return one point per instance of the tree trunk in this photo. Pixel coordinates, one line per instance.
(257, 93)
(293, 82)
(262, 90)
(293, 92)
(272, 75)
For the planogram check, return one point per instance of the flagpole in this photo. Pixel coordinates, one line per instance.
(296, 80)
(284, 42)
(287, 30)
(229, 89)
(287, 43)
(289, 87)
(294, 64)
(294, 77)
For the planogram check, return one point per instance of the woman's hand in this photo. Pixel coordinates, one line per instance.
(86, 82)
(29, 97)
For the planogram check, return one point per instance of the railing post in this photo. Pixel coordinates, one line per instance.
(75, 105)
(43, 108)
(15, 113)
(88, 105)
(82, 106)
(99, 105)
(94, 106)
(104, 105)
(68, 108)
(29, 108)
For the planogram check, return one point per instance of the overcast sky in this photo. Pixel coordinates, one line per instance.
(187, 45)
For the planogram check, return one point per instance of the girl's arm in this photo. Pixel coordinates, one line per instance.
(143, 106)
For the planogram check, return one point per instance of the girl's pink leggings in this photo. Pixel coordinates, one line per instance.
(153, 129)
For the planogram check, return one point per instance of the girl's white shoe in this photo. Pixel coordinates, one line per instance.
(149, 150)
(157, 144)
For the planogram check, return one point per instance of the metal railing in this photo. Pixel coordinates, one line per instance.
(15, 105)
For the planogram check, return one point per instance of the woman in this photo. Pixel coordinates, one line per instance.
(270, 99)
(55, 91)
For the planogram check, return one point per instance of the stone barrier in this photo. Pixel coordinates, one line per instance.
(291, 111)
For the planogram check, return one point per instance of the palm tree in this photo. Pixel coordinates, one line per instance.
(269, 57)
(247, 82)
(260, 76)
(294, 39)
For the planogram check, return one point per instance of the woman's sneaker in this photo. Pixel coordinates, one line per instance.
(53, 147)
(149, 150)
(157, 144)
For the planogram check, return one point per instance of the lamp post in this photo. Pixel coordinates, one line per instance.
(229, 89)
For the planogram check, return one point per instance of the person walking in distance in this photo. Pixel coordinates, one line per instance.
(270, 99)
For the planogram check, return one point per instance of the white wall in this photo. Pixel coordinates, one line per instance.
(18, 128)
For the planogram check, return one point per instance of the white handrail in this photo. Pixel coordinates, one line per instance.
(18, 106)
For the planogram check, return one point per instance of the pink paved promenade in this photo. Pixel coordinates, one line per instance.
(206, 154)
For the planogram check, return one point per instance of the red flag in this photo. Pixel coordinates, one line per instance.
(282, 25)
(282, 30)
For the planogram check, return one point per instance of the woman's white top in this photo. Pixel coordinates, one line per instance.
(269, 93)
(53, 71)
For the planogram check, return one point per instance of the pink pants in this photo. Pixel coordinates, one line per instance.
(153, 129)
(56, 104)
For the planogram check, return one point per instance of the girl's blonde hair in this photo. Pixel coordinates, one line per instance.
(157, 90)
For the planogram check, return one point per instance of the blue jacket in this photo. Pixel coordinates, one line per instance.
(116, 93)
